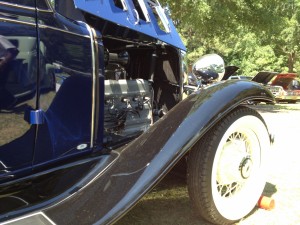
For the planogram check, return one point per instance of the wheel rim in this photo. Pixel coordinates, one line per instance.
(237, 178)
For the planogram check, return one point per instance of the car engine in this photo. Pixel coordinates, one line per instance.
(127, 102)
(128, 106)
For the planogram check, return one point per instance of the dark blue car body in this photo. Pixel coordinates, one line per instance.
(67, 155)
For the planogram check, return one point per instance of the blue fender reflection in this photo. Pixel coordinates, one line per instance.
(146, 160)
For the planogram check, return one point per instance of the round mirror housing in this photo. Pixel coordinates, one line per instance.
(209, 68)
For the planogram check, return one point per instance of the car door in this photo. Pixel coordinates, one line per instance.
(18, 86)
(65, 87)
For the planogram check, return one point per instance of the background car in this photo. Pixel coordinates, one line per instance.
(284, 86)
(240, 77)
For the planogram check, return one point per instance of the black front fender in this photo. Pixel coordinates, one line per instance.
(142, 163)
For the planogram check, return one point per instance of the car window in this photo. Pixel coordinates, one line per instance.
(30, 3)
(295, 85)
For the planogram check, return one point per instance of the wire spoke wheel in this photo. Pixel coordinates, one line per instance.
(226, 173)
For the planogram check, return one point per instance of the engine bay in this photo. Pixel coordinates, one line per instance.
(142, 83)
(143, 76)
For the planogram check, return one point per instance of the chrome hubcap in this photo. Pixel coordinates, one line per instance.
(235, 165)
(246, 167)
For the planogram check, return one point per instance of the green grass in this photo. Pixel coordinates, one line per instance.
(168, 204)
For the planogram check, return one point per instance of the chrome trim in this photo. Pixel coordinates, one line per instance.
(28, 7)
(4, 19)
(37, 218)
(95, 83)
(17, 6)
(45, 10)
(95, 94)
(41, 26)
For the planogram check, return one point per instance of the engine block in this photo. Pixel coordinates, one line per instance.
(128, 106)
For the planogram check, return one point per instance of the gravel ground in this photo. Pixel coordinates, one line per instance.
(283, 178)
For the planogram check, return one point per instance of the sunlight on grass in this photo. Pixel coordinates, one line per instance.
(167, 204)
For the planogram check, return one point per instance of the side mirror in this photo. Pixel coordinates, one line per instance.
(209, 68)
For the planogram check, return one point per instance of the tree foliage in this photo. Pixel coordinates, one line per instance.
(254, 35)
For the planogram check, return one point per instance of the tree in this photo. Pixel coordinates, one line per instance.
(254, 35)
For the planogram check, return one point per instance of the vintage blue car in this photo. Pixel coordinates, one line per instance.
(92, 116)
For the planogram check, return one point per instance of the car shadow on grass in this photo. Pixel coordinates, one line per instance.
(268, 191)
(167, 204)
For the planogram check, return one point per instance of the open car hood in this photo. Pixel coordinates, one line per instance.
(284, 79)
(264, 77)
(229, 70)
(142, 16)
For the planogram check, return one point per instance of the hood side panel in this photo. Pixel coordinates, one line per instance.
(130, 19)
(264, 77)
